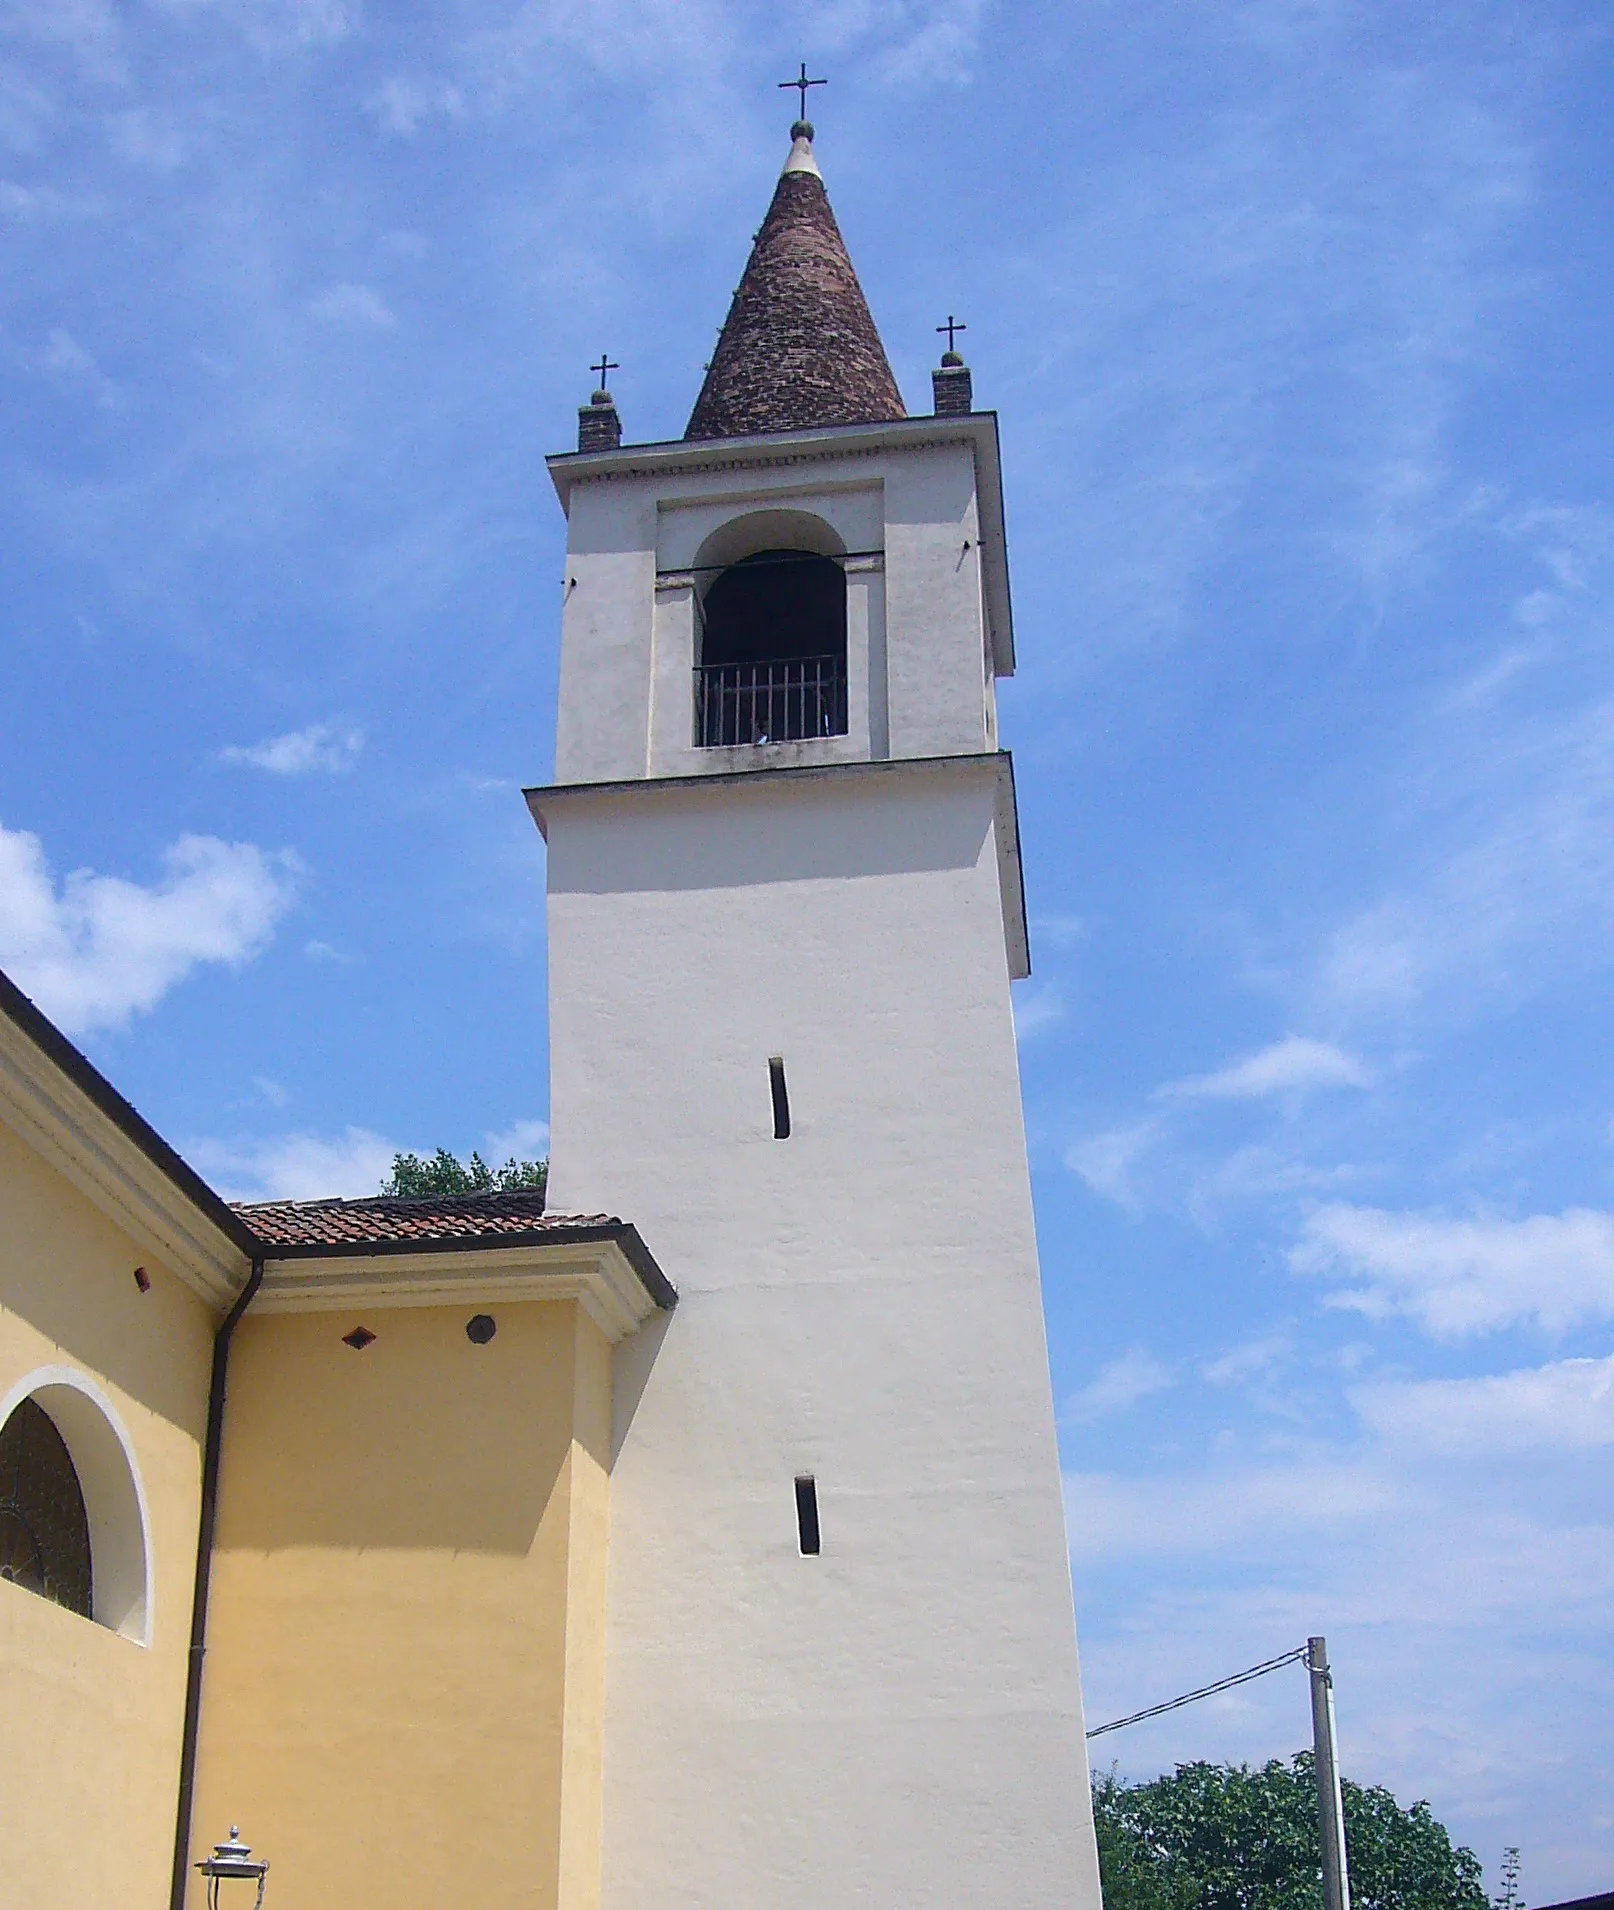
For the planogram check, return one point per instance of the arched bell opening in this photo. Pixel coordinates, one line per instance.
(772, 641)
(73, 1525)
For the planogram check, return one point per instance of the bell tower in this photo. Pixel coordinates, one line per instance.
(785, 908)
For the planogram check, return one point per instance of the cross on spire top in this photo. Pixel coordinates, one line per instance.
(801, 84)
(610, 364)
(953, 325)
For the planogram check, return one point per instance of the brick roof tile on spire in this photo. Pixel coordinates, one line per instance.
(798, 348)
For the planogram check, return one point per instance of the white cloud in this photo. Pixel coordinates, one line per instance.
(401, 106)
(325, 747)
(1108, 1161)
(522, 1141)
(937, 44)
(295, 1166)
(1458, 1277)
(352, 305)
(146, 140)
(281, 26)
(1134, 1376)
(1063, 932)
(318, 951)
(1290, 1066)
(1505, 808)
(1249, 1361)
(1127, 1163)
(1415, 1582)
(88, 29)
(1036, 1009)
(21, 202)
(103, 948)
(1569, 1403)
(68, 359)
(1114, 1517)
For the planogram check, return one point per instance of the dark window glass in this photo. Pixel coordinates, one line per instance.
(44, 1530)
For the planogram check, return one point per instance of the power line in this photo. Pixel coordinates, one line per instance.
(1205, 1691)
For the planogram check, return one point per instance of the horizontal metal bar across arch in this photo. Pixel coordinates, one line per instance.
(772, 559)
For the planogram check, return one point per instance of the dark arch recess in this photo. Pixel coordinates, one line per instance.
(774, 606)
(44, 1528)
(773, 650)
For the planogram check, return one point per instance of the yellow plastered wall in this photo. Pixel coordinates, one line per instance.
(405, 1667)
(90, 1722)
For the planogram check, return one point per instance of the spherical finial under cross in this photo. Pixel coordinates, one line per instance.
(803, 129)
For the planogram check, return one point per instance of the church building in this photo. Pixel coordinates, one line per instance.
(689, 1537)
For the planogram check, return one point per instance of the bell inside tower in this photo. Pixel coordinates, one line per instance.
(772, 640)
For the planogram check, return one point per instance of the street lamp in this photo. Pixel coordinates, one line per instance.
(232, 1859)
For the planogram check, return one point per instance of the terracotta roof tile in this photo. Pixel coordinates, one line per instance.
(798, 348)
(385, 1221)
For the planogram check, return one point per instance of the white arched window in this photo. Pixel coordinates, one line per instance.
(73, 1524)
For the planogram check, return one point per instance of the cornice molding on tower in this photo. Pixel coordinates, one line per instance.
(89, 1134)
(808, 445)
(829, 444)
(599, 1274)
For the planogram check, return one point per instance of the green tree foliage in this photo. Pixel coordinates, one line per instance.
(1225, 1837)
(415, 1179)
(1510, 1896)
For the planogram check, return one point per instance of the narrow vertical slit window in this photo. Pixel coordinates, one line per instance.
(781, 1097)
(807, 1515)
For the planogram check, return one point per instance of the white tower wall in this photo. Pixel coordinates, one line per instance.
(898, 1720)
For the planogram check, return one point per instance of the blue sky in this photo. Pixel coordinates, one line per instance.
(1296, 313)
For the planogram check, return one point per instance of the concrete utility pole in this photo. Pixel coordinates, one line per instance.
(1330, 1803)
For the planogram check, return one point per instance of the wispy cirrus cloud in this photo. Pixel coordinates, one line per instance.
(1111, 1162)
(353, 305)
(1460, 1277)
(65, 358)
(1036, 1010)
(1135, 1375)
(1294, 1065)
(1250, 1360)
(306, 1165)
(402, 104)
(329, 749)
(1123, 1163)
(521, 1140)
(298, 1166)
(1568, 1404)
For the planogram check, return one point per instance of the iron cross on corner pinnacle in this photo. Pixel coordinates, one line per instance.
(801, 84)
(610, 364)
(953, 325)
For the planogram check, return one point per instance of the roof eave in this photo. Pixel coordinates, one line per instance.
(606, 1267)
(68, 1110)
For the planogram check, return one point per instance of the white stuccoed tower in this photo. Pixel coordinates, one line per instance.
(784, 912)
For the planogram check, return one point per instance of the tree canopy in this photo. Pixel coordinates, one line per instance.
(1226, 1837)
(415, 1179)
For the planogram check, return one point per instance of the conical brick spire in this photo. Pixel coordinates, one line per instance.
(798, 348)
